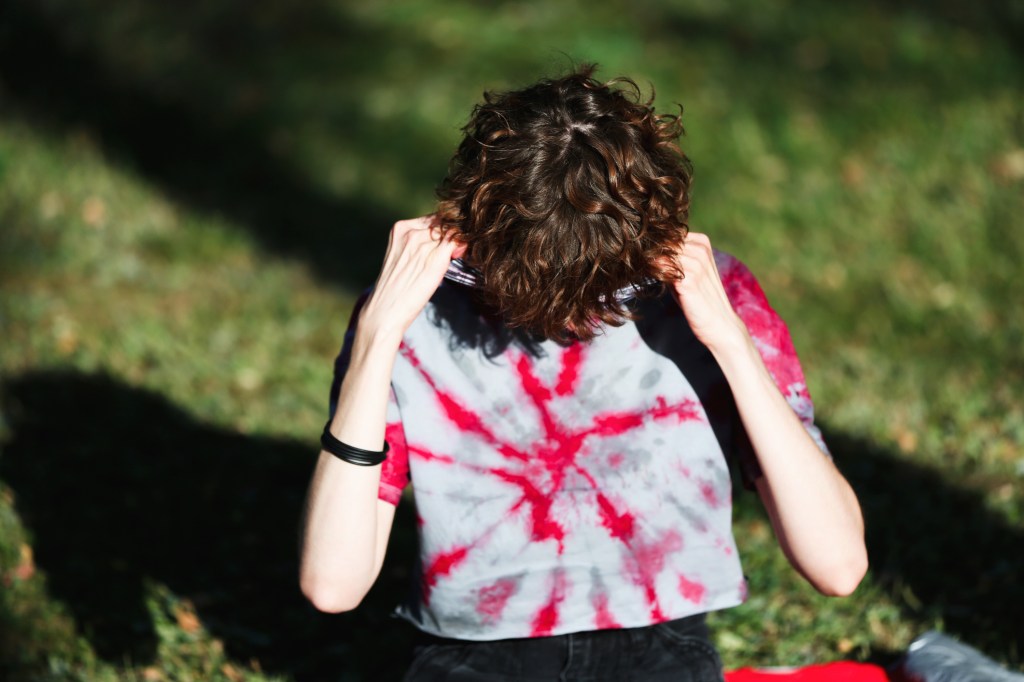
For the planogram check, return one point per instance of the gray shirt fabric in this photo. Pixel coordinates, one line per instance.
(562, 488)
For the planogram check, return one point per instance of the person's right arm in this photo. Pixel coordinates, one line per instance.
(345, 526)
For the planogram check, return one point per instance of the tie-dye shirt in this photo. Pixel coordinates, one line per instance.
(569, 488)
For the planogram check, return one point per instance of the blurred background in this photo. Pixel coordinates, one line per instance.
(192, 193)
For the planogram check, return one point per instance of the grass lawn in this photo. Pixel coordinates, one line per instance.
(192, 194)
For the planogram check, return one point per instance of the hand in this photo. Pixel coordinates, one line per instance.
(414, 265)
(701, 295)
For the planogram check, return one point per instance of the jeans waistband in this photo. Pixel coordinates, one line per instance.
(691, 626)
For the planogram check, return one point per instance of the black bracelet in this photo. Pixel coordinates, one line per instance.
(349, 453)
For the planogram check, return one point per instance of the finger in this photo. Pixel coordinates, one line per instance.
(700, 245)
(696, 266)
(421, 234)
(437, 234)
(445, 243)
(452, 245)
(414, 225)
(404, 226)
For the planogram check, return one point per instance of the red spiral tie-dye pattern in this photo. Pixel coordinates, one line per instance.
(559, 452)
(494, 597)
(771, 336)
(556, 465)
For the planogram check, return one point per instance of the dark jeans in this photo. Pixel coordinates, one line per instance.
(676, 651)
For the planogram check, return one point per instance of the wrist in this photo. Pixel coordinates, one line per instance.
(375, 346)
(732, 342)
(741, 362)
(377, 331)
(376, 343)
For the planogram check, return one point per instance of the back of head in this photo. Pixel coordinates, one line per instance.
(566, 191)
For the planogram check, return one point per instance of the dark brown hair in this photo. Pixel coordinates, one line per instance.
(564, 192)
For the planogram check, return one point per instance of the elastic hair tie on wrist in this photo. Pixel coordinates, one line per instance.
(350, 453)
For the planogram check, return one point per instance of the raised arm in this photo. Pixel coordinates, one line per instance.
(813, 510)
(345, 526)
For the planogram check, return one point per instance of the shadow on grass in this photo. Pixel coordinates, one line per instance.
(208, 132)
(937, 547)
(217, 101)
(117, 485)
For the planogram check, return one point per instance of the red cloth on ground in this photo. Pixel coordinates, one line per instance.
(840, 671)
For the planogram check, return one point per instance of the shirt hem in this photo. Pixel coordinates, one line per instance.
(724, 602)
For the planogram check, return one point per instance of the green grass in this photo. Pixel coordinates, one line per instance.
(191, 197)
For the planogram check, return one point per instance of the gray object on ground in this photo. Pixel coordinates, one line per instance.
(934, 657)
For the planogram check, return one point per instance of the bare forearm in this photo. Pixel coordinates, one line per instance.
(813, 509)
(346, 529)
(340, 552)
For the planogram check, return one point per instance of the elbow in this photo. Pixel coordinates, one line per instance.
(330, 598)
(842, 579)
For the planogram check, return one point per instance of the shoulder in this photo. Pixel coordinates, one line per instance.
(744, 291)
(726, 262)
(768, 330)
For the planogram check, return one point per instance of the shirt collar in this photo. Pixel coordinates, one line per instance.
(461, 272)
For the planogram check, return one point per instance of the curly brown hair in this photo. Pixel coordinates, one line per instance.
(565, 192)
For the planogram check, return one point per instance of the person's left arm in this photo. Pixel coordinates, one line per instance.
(813, 510)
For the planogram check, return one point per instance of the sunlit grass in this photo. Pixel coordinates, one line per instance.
(867, 163)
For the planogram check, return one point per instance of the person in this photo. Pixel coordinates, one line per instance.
(564, 371)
